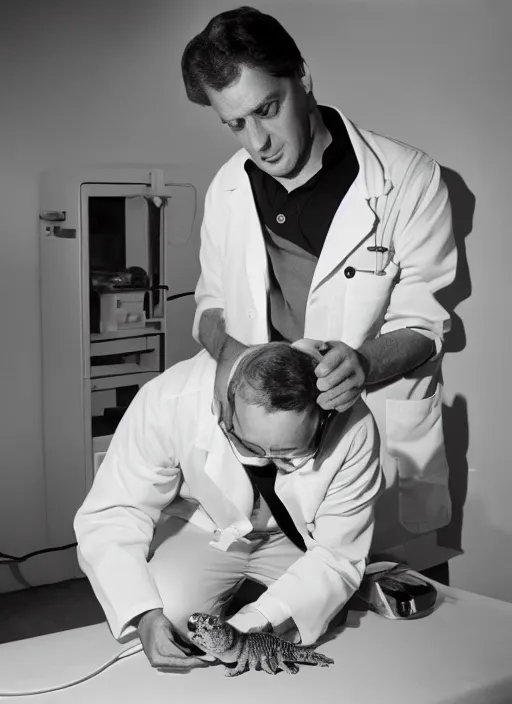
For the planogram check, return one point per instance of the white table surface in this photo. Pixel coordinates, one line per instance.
(460, 654)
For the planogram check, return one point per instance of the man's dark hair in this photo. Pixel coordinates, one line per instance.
(277, 377)
(241, 37)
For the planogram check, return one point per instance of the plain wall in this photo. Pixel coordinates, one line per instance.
(99, 81)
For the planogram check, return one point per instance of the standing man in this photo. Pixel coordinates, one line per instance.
(319, 229)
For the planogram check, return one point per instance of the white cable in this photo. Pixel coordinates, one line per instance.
(123, 654)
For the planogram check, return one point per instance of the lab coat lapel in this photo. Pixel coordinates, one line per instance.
(355, 219)
(221, 484)
(246, 224)
(353, 222)
(297, 492)
(303, 490)
(217, 480)
(228, 475)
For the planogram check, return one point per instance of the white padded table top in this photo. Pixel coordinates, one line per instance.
(460, 654)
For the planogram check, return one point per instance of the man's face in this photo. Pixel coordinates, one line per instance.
(270, 117)
(282, 433)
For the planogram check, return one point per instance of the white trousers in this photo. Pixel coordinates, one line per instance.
(191, 575)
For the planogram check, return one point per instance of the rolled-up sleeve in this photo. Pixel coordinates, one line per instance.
(424, 248)
(114, 527)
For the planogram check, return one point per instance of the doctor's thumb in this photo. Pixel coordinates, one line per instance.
(315, 348)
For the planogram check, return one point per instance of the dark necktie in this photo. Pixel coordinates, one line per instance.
(263, 480)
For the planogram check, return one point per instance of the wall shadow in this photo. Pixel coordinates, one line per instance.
(463, 208)
(456, 434)
(455, 417)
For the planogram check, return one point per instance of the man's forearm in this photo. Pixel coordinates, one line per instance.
(394, 354)
(214, 338)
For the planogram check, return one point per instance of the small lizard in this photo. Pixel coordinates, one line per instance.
(250, 651)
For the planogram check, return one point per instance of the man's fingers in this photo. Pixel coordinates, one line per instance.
(346, 398)
(171, 664)
(168, 649)
(170, 656)
(339, 402)
(331, 360)
(185, 644)
(316, 348)
(342, 376)
(165, 646)
(334, 352)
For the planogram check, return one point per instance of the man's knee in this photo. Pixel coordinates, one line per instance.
(183, 590)
(181, 594)
(179, 607)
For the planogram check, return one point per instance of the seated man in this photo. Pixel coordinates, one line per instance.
(183, 508)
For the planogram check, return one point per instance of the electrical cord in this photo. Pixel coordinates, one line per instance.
(12, 559)
(132, 650)
(6, 559)
(180, 295)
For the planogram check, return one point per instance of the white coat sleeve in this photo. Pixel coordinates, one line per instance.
(320, 582)
(114, 527)
(210, 290)
(425, 251)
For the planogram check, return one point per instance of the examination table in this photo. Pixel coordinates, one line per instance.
(461, 653)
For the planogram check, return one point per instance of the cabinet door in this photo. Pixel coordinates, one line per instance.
(123, 302)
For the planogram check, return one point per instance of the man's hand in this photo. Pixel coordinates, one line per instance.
(158, 640)
(341, 374)
(344, 372)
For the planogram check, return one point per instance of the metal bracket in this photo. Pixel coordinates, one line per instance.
(61, 232)
(53, 215)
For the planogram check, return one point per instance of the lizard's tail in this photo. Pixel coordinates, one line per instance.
(305, 654)
(321, 660)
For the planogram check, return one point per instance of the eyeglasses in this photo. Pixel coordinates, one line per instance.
(298, 458)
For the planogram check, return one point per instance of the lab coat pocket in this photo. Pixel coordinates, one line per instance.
(367, 298)
(415, 443)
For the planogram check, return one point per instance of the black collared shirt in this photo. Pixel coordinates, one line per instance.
(304, 215)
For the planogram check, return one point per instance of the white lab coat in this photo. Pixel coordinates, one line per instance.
(169, 454)
(398, 200)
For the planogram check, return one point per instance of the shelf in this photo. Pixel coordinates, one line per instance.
(101, 370)
(115, 382)
(126, 332)
(124, 346)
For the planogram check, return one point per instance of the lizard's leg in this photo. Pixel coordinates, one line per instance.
(273, 662)
(254, 660)
(290, 667)
(266, 662)
(241, 665)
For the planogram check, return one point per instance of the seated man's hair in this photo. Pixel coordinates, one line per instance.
(277, 377)
(236, 38)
